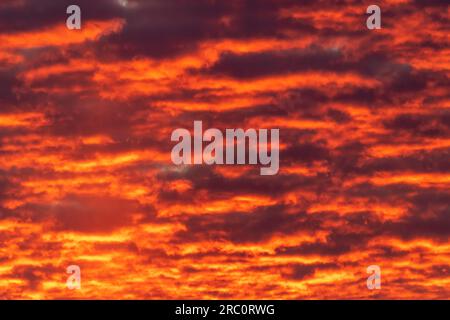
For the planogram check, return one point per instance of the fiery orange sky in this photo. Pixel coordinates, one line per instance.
(86, 176)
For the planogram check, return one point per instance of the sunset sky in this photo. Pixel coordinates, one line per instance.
(86, 176)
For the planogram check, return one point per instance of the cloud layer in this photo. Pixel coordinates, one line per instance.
(85, 170)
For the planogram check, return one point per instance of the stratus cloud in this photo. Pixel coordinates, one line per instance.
(85, 170)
